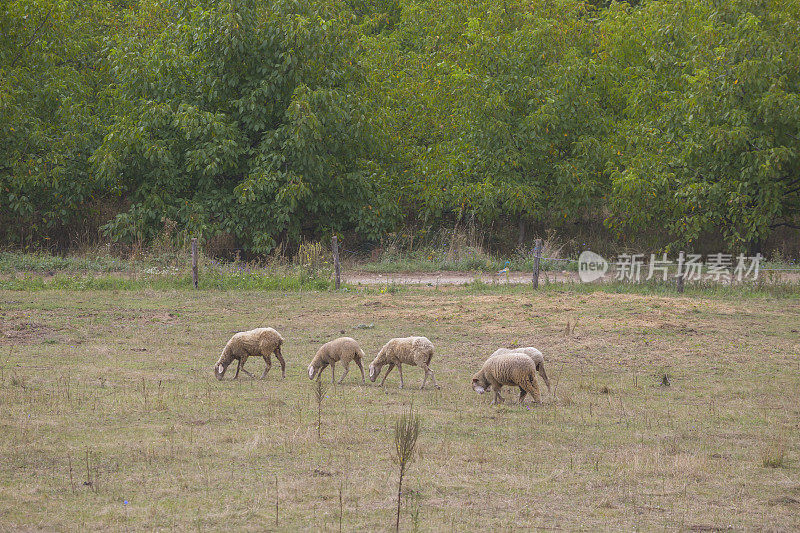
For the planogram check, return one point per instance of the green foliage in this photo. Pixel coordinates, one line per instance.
(54, 108)
(711, 138)
(243, 119)
(278, 122)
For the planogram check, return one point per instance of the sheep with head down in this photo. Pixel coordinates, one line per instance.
(516, 369)
(417, 351)
(344, 349)
(534, 354)
(259, 342)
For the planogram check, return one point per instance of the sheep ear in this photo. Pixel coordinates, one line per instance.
(310, 371)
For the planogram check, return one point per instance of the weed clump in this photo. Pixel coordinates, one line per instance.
(774, 455)
(406, 431)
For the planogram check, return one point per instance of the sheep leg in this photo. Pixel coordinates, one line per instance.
(333, 372)
(497, 397)
(427, 370)
(496, 387)
(346, 370)
(268, 361)
(238, 366)
(522, 394)
(391, 366)
(241, 365)
(360, 367)
(281, 360)
(400, 369)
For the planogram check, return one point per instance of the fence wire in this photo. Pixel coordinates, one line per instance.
(760, 269)
(355, 253)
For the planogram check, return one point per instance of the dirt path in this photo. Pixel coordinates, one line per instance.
(358, 277)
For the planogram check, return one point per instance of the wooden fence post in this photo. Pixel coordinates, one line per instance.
(537, 255)
(194, 261)
(335, 248)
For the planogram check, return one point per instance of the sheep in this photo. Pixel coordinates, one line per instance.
(416, 351)
(257, 342)
(343, 349)
(507, 369)
(534, 354)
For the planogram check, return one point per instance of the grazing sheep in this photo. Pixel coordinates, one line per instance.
(416, 351)
(534, 354)
(343, 349)
(507, 369)
(257, 342)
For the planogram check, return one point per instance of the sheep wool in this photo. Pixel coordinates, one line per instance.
(260, 342)
(534, 354)
(344, 349)
(507, 369)
(416, 351)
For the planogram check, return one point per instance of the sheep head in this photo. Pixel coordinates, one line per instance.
(541, 371)
(374, 371)
(479, 383)
(219, 370)
(316, 367)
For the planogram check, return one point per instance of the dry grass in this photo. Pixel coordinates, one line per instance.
(773, 455)
(122, 382)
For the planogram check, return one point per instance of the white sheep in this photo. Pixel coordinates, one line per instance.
(534, 354)
(507, 369)
(344, 349)
(416, 351)
(256, 342)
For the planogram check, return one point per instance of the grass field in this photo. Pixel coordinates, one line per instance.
(120, 383)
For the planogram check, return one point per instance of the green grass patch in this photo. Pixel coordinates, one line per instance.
(693, 289)
(164, 271)
(207, 281)
(45, 262)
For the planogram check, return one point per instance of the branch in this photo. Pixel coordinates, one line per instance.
(784, 224)
(789, 183)
(33, 37)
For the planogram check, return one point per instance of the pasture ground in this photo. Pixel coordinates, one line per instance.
(121, 381)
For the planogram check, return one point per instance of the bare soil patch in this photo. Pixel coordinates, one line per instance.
(18, 329)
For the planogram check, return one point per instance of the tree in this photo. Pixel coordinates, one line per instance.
(244, 119)
(712, 142)
(54, 109)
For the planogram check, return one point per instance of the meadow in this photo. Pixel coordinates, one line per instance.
(670, 413)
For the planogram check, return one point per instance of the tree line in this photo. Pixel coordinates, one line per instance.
(277, 121)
